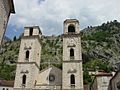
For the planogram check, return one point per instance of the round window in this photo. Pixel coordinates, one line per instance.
(51, 78)
(118, 85)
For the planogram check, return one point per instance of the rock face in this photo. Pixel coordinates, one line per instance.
(100, 43)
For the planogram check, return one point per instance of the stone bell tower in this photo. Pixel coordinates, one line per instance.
(29, 59)
(72, 75)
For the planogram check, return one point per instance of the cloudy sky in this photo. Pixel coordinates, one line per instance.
(50, 14)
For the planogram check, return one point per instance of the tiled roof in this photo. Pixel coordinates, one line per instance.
(103, 74)
(6, 83)
(86, 87)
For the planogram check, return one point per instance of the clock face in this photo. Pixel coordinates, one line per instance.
(71, 42)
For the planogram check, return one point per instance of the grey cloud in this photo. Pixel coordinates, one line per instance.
(50, 14)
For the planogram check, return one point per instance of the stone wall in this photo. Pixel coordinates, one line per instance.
(4, 16)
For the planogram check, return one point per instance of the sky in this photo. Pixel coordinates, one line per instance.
(49, 15)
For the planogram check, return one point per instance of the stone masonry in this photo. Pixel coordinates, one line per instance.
(6, 7)
(28, 76)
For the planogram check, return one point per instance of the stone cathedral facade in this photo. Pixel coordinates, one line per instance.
(28, 76)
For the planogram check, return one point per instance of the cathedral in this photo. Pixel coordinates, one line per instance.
(30, 77)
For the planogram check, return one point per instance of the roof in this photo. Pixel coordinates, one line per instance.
(110, 83)
(103, 74)
(34, 27)
(11, 3)
(49, 68)
(115, 75)
(86, 87)
(71, 20)
(6, 83)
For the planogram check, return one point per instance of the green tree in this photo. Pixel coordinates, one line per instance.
(14, 39)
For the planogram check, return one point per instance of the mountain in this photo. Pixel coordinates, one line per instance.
(102, 43)
(6, 38)
(100, 50)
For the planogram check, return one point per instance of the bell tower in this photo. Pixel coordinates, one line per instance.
(29, 59)
(72, 75)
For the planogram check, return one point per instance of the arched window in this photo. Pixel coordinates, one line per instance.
(31, 31)
(71, 28)
(71, 53)
(24, 79)
(27, 54)
(72, 80)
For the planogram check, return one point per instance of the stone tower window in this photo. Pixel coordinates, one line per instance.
(71, 53)
(27, 54)
(72, 81)
(24, 80)
(31, 31)
(71, 29)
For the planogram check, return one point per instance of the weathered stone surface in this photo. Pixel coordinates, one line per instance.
(72, 66)
(6, 7)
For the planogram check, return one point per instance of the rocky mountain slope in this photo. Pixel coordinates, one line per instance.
(100, 50)
(102, 42)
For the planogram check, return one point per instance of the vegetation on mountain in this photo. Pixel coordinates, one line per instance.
(100, 51)
(8, 58)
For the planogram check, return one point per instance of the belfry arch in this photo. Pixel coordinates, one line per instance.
(71, 28)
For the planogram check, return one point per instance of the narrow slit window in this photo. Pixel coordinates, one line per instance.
(27, 54)
(72, 80)
(71, 53)
(24, 79)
